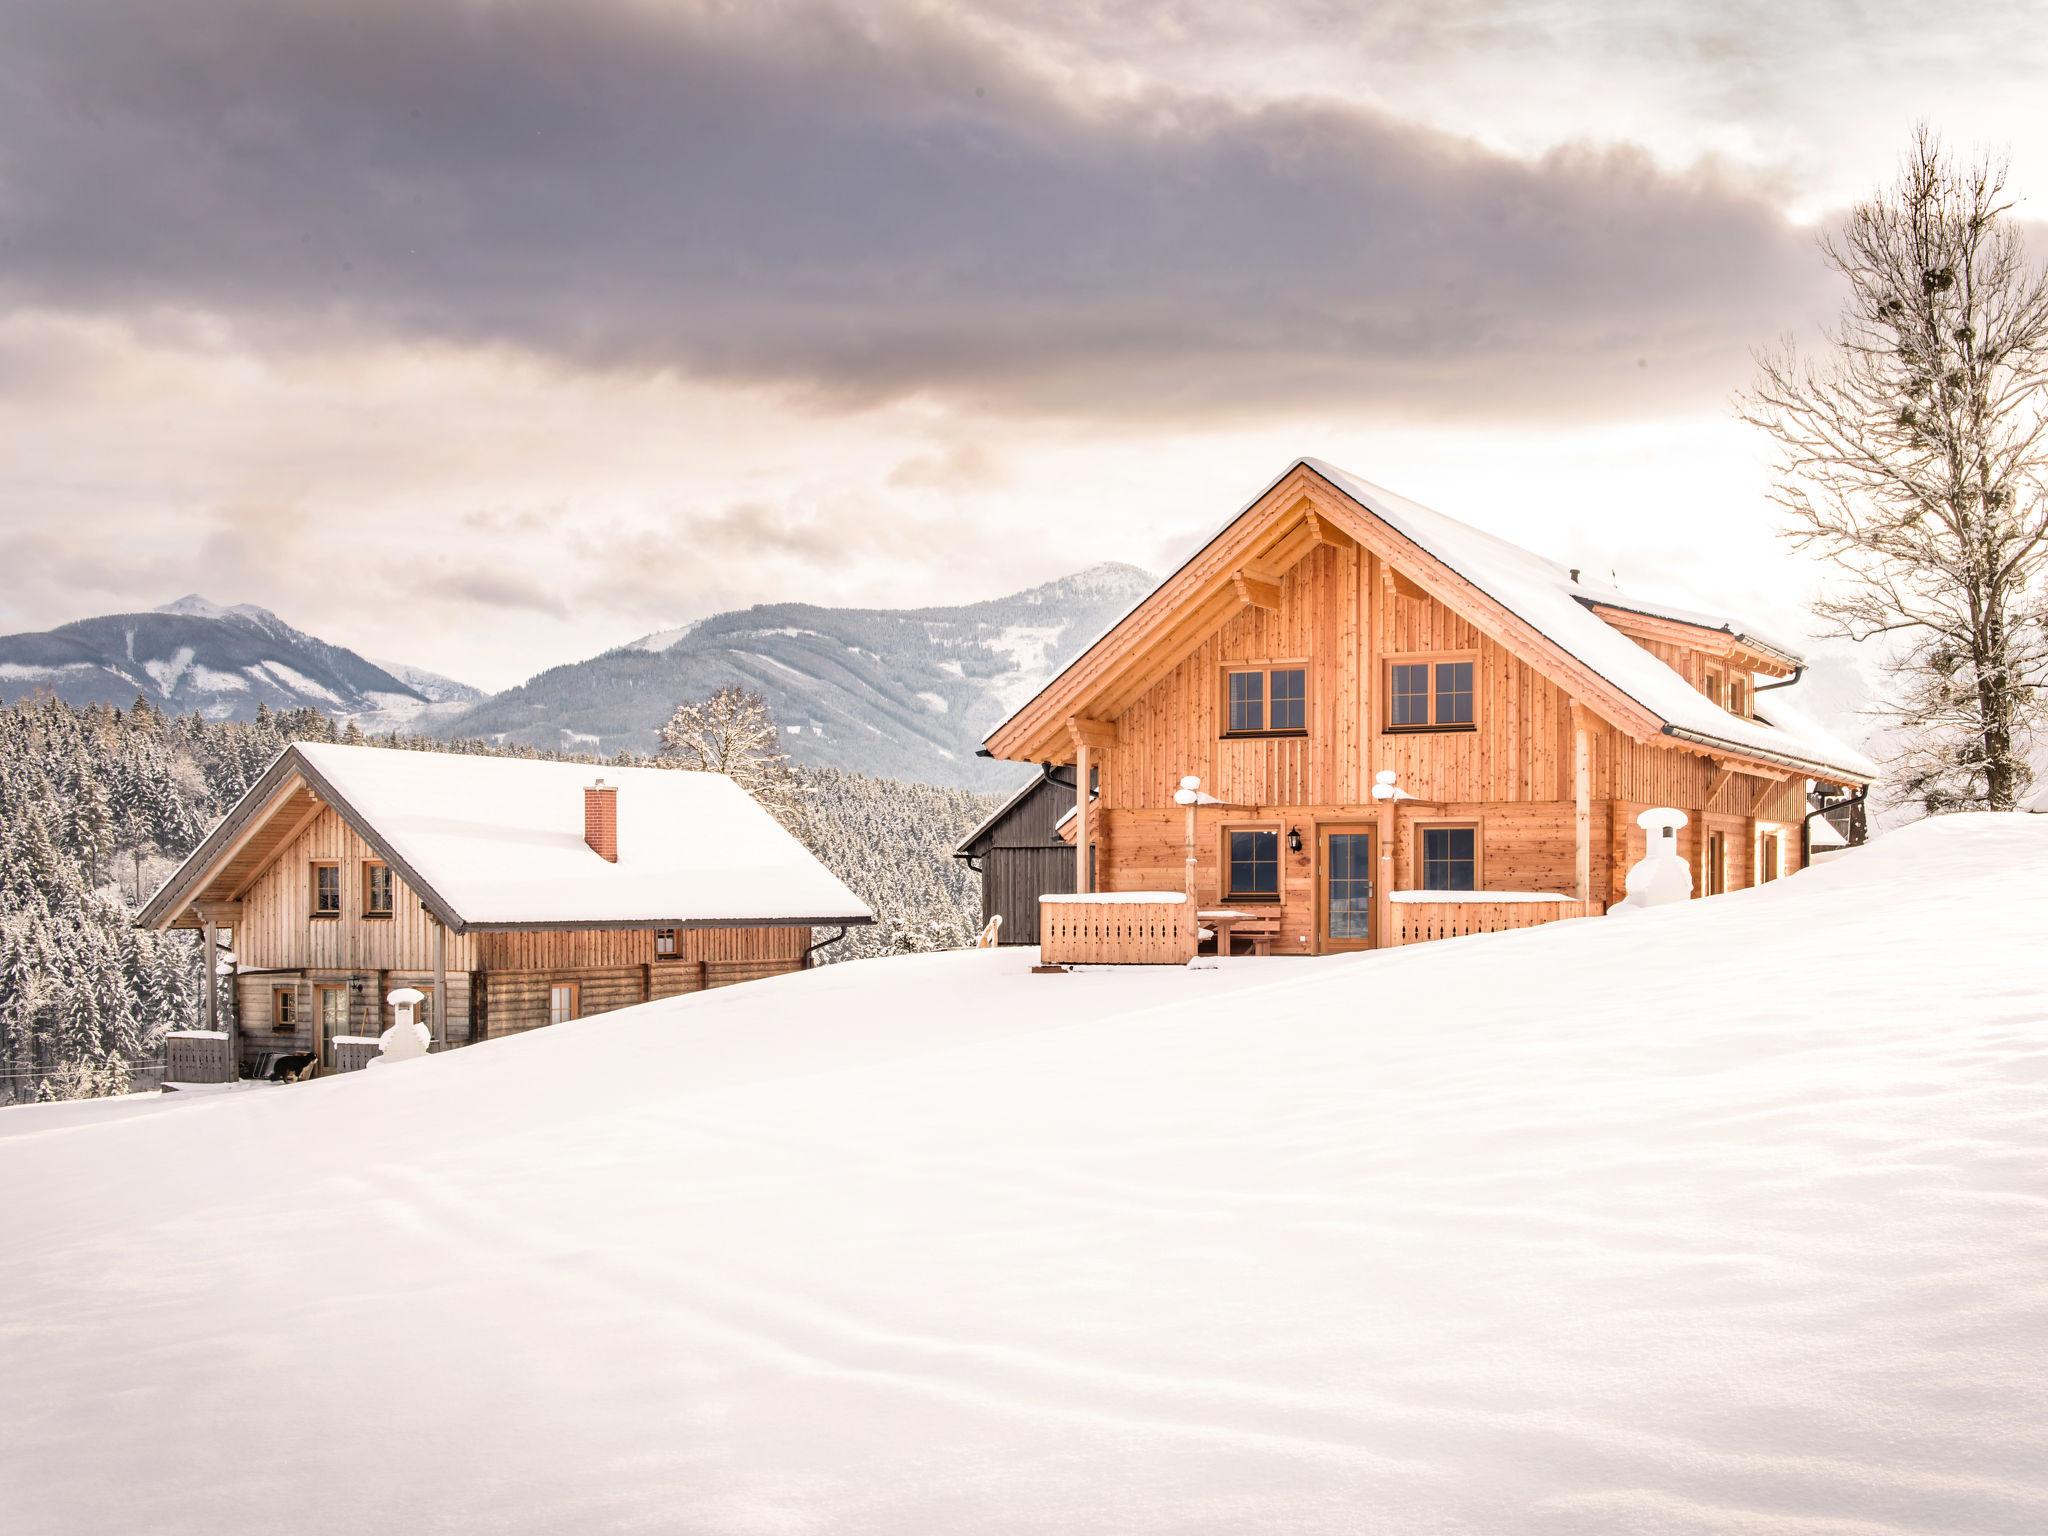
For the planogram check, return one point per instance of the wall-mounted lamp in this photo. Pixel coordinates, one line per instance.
(1294, 839)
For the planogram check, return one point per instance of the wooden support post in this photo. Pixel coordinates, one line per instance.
(1582, 800)
(1383, 905)
(1083, 761)
(440, 984)
(210, 988)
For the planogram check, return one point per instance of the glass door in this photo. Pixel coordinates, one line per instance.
(333, 1018)
(1346, 887)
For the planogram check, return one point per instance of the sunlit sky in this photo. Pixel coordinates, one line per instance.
(486, 335)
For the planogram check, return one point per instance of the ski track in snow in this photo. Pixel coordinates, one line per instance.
(1724, 1218)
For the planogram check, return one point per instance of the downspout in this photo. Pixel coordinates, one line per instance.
(1855, 805)
(823, 944)
(1798, 671)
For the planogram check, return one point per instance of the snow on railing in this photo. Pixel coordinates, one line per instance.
(1419, 916)
(1117, 928)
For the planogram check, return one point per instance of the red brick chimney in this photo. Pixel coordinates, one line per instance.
(601, 819)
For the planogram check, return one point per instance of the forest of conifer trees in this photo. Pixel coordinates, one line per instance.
(99, 804)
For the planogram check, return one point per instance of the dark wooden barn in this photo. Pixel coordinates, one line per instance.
(1020, 856)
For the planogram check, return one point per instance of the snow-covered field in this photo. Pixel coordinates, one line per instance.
(1728, 1218)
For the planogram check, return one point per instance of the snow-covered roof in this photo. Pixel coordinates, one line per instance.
(1593, 590)
(1544, 595)
(498, 842)
(501, 840)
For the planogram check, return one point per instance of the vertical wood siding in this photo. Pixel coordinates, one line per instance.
(1342, 614)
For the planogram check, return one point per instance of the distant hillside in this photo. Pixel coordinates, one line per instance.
(899, 693)
(200, 657)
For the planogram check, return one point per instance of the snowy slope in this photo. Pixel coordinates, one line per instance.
(1713, 1219)
(902, 693)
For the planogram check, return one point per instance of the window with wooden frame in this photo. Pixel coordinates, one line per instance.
(564, 999)
(1251, 863)
(668, 944)
(1270, 699)
(1738, 696)
(284, 1010)
(376, 888)
(1432, 693)
(1767, 856)
(1710, 683)
(1717, 863)
(1447, 855)
(326, 888)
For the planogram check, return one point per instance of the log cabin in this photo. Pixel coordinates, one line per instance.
(513, 893)
(1348, 722)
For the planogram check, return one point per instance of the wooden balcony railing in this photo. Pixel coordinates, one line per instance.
(1419, 916)
(1117, 928)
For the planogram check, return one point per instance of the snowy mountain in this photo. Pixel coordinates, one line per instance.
(901, 693)
(432, 686)
(1715, 1219)
(223, 662)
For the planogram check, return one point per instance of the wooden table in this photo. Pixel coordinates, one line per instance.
(1223, 919)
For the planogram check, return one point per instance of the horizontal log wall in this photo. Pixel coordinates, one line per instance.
(612, 948)
(368, 1011)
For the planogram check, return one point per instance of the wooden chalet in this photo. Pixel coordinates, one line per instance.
(1402, 728)
(512, 893)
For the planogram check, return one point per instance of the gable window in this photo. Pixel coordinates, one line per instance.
(1448, 857)
(562, 1002)
(1265, 701)
(1252, 864)
(1710, 684)
(284, 1010)
(667, 944)
(376, 889)
(1738, 697)
(327, 889)
(1431, 693)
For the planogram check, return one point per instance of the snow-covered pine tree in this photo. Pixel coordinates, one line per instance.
(1912, 455)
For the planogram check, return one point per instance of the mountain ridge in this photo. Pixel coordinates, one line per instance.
(223, 662)
(896, 692)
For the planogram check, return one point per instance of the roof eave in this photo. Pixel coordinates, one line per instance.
(582, 925)
(1833, 773)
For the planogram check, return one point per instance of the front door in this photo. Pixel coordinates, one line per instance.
(331, 1005)
(1345, 918)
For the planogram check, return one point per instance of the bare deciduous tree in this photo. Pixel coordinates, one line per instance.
(1912, 455)
(734, 733)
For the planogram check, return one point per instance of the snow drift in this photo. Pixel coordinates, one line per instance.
(1727, 1218)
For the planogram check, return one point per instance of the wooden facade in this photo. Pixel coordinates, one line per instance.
(1548, 772)
(1021, 856)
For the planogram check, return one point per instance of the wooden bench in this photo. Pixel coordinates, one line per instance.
(1228, 923)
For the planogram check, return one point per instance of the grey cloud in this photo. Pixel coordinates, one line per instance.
(860, 208)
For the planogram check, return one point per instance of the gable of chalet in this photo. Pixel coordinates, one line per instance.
(288, 798)
(1242, 565)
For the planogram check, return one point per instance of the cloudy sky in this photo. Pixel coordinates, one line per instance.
(484, 334)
